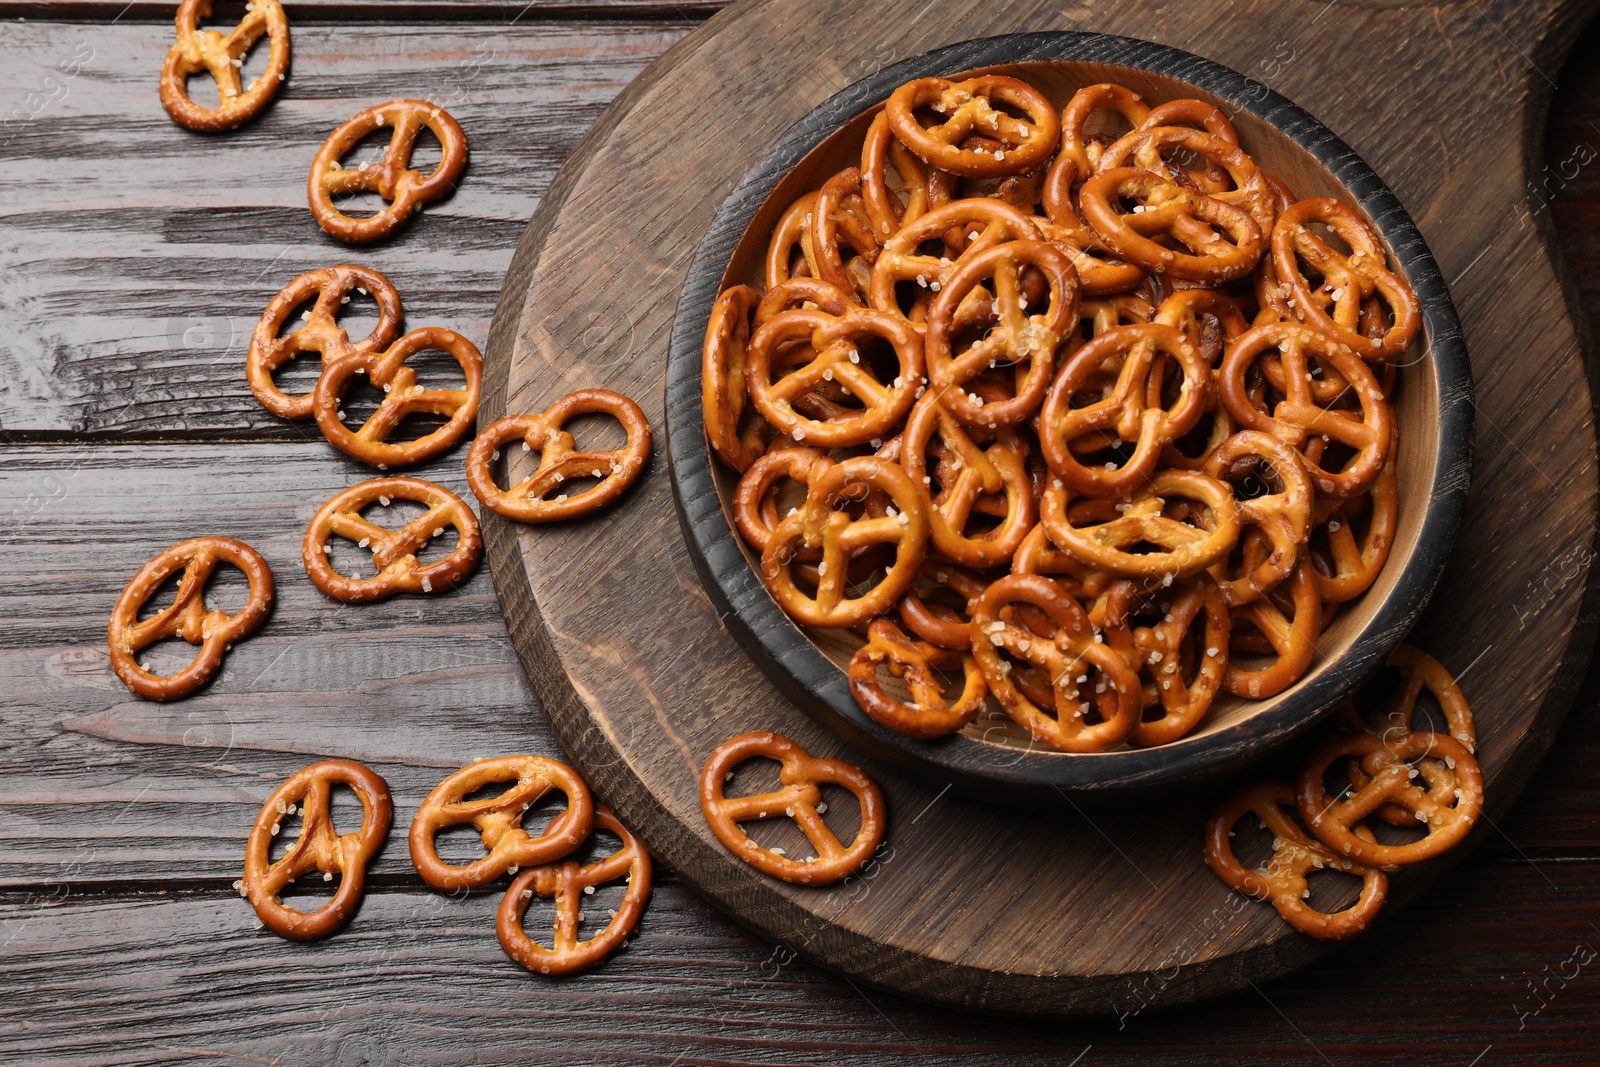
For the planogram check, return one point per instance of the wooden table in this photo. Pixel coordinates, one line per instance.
(134, 259)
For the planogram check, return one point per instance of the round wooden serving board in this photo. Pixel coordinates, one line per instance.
(982, 906)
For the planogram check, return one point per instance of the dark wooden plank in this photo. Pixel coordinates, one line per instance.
(579, 603)
(510, 12)
(180, 242)
(418, 979)
(416, 687)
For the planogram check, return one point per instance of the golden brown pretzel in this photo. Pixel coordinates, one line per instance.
(1293, 640)
(839, 221)
(1283, 516)
(1348, 280)
(387, 370)
(394, 552)
(498, 819)
(929, 713)
(1102, 539)
(755, 507)
(1148, 148)
(186, 617)
(880, 151)
(1447, 815)
(1295, 854)
(836, 358)
(222, 57)
(570, 883)
(1080, 153)
(983, 223)
(320, 333)
(939, 624)
(822, 522)
(1297, 419)
(391, 178)
(1355, 567)
(789, 251)
(1419, 671)
(1132, 412)
(965, 110)
(617, 469)
(1068, 656)
(737, 437)
(1217, 241)
(1183, 657)
(798, 799)
(978, 471)
(319, 847)
(1023, 337)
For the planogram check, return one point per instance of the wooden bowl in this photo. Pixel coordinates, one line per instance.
(993, 758)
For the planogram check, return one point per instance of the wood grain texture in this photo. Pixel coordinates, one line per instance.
(506, 12)
(591, 600)
(182, 243)
(418, 979)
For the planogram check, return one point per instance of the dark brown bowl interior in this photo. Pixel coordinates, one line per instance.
(993, 757)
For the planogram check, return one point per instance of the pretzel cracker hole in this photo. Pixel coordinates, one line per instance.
(227, 590)
(839, 809)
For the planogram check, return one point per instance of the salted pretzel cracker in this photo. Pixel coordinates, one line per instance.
(929, 713)
(1133, 410)
(1297, 419)
(1035, 620)
(1182, 658)
(1295, 854)
(320, 847)
(402, 396)
(186, 617)
(559, 460)
(222, 57)
(1216, 241)
(394, 552)
(723, 397)
(824, 522)
(967, 108)
(498, 819)
(801, 776)
(1349, 280)
(755, 507)
(320, 332)
(1104, 541)
(834, 341)
(1446, 815)
(1283, 516)
(404, 190)
(994, 470)
(571, 884)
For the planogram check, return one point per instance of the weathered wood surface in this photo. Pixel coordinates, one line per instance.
(123, 944)
(179, 239)
(623, 593)
(506, 12)
(418, 980)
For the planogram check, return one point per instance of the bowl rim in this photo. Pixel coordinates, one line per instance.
(1035, 775)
